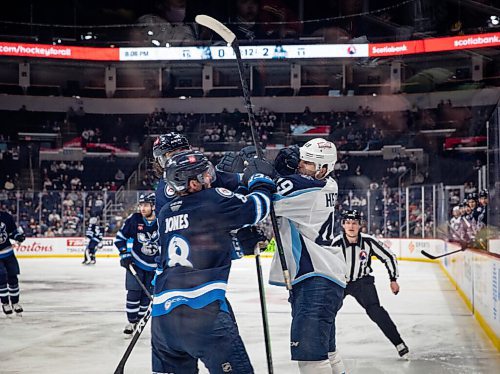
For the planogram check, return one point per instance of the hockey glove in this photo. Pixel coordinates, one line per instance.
(287, 160)
(249, 238)
(19, 237)
(231, 162)
(248, 153)
(125, 259)
(258, 166)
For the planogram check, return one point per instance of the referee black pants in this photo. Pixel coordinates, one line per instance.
(365, 293)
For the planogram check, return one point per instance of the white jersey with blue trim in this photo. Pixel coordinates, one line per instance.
(305, 208)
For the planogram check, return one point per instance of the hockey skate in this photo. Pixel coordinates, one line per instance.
(18, 309)
(87, 258)
(129, 329)
(7, 309)
(403, 351)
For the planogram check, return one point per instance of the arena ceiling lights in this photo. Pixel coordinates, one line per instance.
(261, 52)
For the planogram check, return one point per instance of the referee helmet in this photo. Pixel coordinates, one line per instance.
(351, 214)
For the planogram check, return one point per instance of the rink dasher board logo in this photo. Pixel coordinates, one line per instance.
(60, 246)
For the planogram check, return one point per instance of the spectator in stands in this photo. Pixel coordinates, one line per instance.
(164, 26)
(246, 25)
(119, 176)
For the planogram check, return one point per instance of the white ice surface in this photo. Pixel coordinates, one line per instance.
(74, 316)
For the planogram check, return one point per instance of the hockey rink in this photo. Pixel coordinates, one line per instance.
(74, 316)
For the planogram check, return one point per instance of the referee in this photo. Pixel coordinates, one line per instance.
(358, 249)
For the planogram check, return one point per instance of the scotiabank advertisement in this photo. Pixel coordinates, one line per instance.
(61, 247)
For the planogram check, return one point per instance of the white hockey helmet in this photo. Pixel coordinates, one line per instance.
(93, 220)
(321, 152)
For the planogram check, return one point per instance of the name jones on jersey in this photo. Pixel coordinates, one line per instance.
(178, 222)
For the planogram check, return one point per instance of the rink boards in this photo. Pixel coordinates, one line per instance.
(475, 274)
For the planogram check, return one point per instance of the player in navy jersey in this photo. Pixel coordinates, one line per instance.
(94, 236)
(137, 242)
(191, 318)
(167, 145)
(164, 147)
(9, 267)
(305, 205)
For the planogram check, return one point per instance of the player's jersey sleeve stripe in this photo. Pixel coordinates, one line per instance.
(267, 203)
(262, 206)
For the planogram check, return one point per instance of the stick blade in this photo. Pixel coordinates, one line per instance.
(428, 255)
(216, 26)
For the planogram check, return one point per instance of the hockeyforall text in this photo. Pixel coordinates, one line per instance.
(35, 51)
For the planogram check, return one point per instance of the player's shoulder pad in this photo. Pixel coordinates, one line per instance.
(224, 192)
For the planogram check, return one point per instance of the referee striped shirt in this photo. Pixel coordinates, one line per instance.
(358, 256)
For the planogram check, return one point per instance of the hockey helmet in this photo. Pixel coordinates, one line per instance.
(483, 193)
(167, 143)
(185, 166)
(351, 214)
(93, 221)
(472, 196)
(321, 152)
(147, 198)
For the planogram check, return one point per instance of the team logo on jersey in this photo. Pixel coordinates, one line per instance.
(169, 191)
(226, 367)
(149, 242)
(3, 233)
(363, 255)
(224, 192)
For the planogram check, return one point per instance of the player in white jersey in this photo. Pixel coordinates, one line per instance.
(305, 205)
(456, 224)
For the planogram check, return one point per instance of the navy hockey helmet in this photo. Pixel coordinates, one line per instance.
(147, 198)
(167, 143)
(472, 196)
(483, 193)
(185, 166)
(351, 214)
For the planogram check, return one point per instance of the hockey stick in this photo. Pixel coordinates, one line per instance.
(134, 274)
(138, 331)
(140, 325)
(230, 38)
(432, 257)
(463, 247)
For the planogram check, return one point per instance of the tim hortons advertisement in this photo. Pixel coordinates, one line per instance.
(60, 247)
